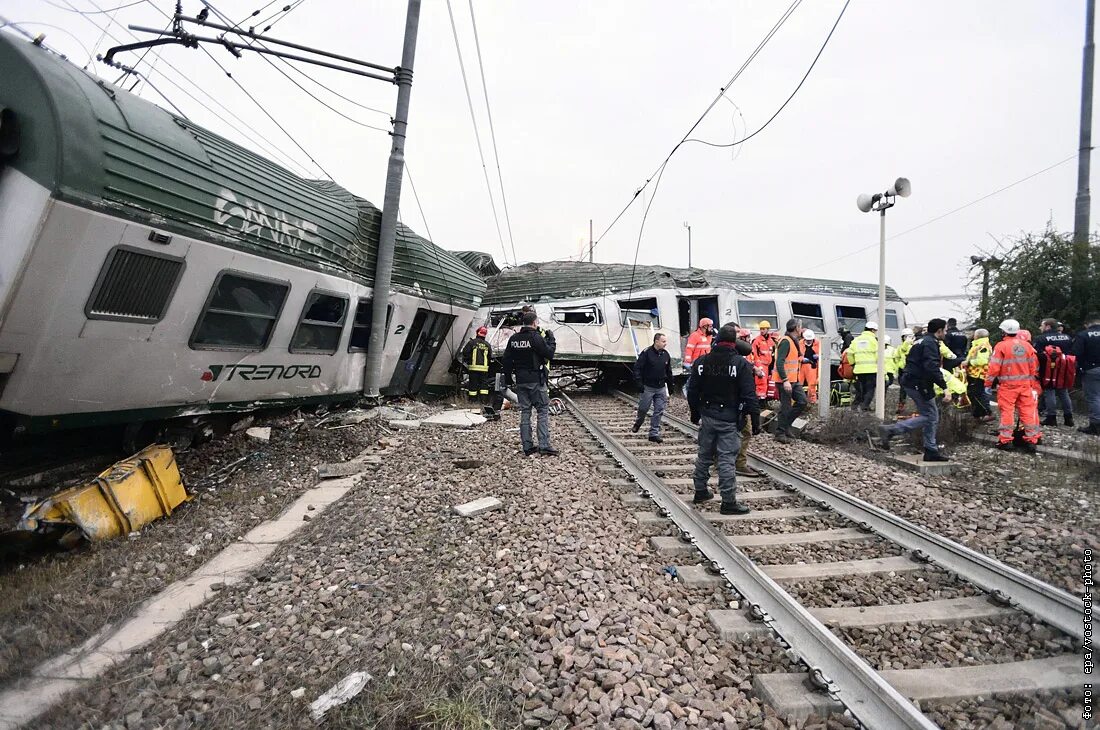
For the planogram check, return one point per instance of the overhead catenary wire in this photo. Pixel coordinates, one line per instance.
(721, 93)
(99, 11)
(477, 132)
(492, 133)
(941, 216)
(274, 149)
(18, 25)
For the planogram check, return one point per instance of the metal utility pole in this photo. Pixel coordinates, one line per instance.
(383, 274)
(688, 226)
(1083, 202)
(591, 243)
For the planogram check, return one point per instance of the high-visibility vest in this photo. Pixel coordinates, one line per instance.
(891, 361)
(792, 364)
(1013, 364)
(978, 358)
(698, 344)
(863, 353)
(900, 353)
(763, 350)
(479, 357)
(956, 386)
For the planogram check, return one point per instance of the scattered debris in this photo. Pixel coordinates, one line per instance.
(260, 433)
(242, 424)
(469, 463)
(455, 419)
(404, 424)
(191, 551)
(123, 498)
(477, 507)
(298, 693)
(344, 469)
(339, 693)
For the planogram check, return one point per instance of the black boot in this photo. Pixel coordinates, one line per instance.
(703, 496)
(1028, 448)
(1093, 429)
(637, 423)
(934, 455)
(1007, 446)
(884, 437)
(733, 508)
(1050, 421)
(1069, 419)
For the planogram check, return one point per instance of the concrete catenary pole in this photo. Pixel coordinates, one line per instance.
(1083, 202)
(824, 376)
(383, 273)
(880, 375)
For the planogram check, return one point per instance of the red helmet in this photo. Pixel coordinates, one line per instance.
(482, 331)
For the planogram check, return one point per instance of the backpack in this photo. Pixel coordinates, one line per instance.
(1061, 369)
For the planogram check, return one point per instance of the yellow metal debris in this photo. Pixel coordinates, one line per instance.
(128, 495)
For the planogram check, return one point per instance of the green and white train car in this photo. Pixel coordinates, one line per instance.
(150, 269)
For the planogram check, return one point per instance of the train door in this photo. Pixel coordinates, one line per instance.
(692, 309)
(426, 335)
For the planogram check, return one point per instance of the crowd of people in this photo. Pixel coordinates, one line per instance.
(730, 373)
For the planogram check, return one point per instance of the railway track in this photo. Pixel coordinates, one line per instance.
(845, 539)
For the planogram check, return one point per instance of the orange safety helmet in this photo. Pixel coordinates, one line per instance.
(1025, 335)
(706, 322)
(482, 331)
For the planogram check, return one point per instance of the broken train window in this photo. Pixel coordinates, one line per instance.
(321, 324)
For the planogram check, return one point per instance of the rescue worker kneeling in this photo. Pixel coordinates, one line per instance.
(721, 394)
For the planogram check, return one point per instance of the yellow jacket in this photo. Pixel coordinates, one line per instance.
(891, 361)
(863, 353)
(955, 386)
(900, 353)
(977, 360)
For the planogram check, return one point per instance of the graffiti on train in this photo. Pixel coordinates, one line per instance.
(252, 218)
(261, 372)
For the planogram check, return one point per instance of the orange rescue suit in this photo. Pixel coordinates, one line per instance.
(1015, 367)
(698, 344)
(809, 372)
(763, 353)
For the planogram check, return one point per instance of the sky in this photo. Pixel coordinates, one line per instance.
(587, 99)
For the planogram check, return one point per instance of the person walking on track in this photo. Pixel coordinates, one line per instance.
(653, 376)
(475, 356)
(525, 359)
(721, 395)
(921, 374)
(1014, 367)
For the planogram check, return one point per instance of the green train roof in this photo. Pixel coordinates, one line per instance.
(96, 145)
(575, 279)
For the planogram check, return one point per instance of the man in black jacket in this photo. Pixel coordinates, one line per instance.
(1052, 396)
(721, 394)
(919, 378)
(525, 358)
(653, 376)
(955, 340)
(1086, 346)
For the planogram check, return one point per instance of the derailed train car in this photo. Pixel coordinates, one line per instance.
(602, 315)
(150, 269)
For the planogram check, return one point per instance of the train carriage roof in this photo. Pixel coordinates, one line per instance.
(94, 144)
(575, 279)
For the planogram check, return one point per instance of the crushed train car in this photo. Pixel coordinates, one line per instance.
(150, 269)
(602, 315)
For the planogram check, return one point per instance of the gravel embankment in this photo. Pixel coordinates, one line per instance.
(879, 589)
(823, 552)
(53, 602)
(548, 612)
(1043, 711)
(1035, 513)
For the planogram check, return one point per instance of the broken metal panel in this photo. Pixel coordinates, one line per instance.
(123, 498)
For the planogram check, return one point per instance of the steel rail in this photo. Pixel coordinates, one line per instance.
(1042, 600)
(847, 677)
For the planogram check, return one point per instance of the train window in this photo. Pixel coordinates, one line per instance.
(134, 286)
(361, 327)
(240, 313)
(752, 311)
(639, 311)
(851, 317)
(505, 317)
(321, 324)
(891, 319)
(589, 314)
(810, 314)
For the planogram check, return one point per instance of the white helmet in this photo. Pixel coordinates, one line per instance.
(872, 325)
(907, 332)
(887, 338)
(808, 335)
(1010, 326)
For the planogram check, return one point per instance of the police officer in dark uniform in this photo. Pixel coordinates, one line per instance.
(475, 358)
(956, 340)
(1086, 347)
(525, 358)
(1052, 397)
(721, 394)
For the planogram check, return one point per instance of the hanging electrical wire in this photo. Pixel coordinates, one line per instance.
(492, 133)
(477, 133)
